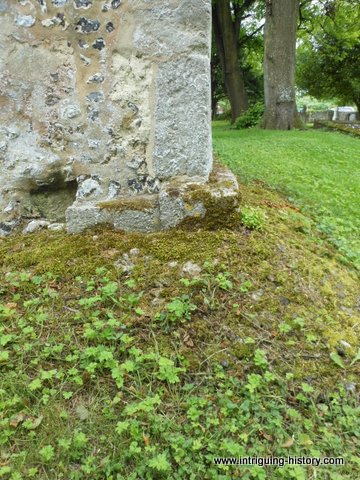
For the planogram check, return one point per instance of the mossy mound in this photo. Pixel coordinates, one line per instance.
(293, 271)
(111, 346)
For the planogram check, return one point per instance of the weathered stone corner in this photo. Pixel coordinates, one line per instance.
(110, 124)
(178, 200)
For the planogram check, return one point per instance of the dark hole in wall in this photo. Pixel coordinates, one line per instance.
(51, 201)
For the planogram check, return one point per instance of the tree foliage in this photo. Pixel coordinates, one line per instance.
(329, 51)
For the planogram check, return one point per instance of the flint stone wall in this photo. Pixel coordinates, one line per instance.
(103, 101)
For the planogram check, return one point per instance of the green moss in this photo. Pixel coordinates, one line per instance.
(292, 274)
(221, 212)
(340, 127)
(52, 204)
(81, 254)
(139, 203)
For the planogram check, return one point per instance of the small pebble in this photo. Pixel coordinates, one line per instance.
(35, 226)
(56, 227)
(341, 351)
(224, 363)
(350, 387)
(192, 269)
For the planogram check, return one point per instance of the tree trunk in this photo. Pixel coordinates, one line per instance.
(227, 44)
(214, 102)
(279, 64)
(357, 104)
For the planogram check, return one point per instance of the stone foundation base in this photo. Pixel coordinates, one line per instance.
(178, 200)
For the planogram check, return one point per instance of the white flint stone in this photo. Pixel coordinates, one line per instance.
(93, 143)
(124, 264)
(114, 190)
(96, 78)
(11, 206)
(88, 187)
(56, 227)
(35, 226)
(70, 111)
(25, 21)
(3, 5)
(86, 60)
(48, 22)
(59, 3)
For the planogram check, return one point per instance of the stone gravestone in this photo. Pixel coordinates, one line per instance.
(105, 113)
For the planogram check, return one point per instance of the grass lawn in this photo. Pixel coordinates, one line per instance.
(320, 171)
(116, 364)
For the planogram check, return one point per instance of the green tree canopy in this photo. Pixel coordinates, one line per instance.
(329, 55)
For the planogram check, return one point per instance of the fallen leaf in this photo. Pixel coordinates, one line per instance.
(188, 341)
(82, 412)
(289, 443)
(17, 419)
(11, 305)
(335, 357)
(267, 436)
(111, 253)
(146, 440)
(35, 423)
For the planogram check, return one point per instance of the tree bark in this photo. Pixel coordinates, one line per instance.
(214, 102)
(357, 104)
(225, 31)
(279, 65)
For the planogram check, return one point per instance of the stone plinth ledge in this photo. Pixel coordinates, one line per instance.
(178, 200)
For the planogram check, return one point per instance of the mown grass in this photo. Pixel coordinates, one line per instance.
(116, 364)
(319, 171)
